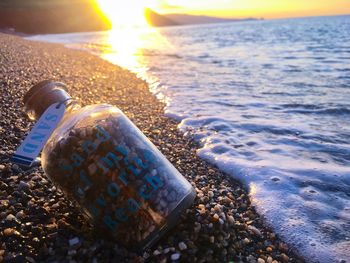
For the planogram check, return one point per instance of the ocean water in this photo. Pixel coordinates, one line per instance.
(270, 103)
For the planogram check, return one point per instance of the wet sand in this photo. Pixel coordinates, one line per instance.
(38, 224)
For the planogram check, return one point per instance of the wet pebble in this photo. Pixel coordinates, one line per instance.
(284, 258)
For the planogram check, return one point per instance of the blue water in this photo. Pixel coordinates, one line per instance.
(270, 103)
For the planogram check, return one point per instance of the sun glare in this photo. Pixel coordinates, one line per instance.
(130, 37)
(124, 12)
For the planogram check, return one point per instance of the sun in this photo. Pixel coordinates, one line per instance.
(124, 12)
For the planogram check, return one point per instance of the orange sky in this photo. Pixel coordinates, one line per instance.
(253, 8)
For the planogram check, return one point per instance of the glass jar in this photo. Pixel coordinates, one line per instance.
(100, 159)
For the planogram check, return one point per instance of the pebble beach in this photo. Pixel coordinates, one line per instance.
(38, 224)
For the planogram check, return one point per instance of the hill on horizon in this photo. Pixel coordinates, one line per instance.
(157, 20)
(185, 19)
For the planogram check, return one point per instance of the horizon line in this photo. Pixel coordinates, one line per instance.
(253, 17)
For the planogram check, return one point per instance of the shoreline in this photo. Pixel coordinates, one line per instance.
(221, 226)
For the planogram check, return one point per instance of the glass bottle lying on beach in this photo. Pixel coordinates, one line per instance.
(99, 158)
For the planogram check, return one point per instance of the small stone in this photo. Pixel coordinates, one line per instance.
(254, 230)
(74, 241)
(216, 217)
(30, 259)
(156, 252)
(15, 168)
(51, 227)
(175, 257)
(211, 194)
(55, 205)
(92, 169)
(10, 232)
(260, 260)
(246, 241)
(230, 220)
(10, 217)
(211, 171)
(197, 227)
(4, 203)
(284, 258)
(212, 239)
(2, 167)
(269, 249)
(23, 186)
(20, 215)
(201, 206)
(269, 260)
(145, 255)
(283, 247)
(62, 223)
(217, 208)
(182, 246)
(251, 259)
(2, 252)
(202, 211)
(166, 250)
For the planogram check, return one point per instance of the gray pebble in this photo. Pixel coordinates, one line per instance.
(74, 241)
(231, 220)
(182, 246)
(175, 256)
(254, 230)
(10, 217)
(20, 215)
(15, 168)
(166, 250)
(23, 186)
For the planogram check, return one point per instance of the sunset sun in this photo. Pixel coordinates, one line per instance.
(124, 13)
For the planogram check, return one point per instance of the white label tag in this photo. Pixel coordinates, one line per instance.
(32, 145)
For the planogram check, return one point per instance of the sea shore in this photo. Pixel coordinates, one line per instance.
(38, 224)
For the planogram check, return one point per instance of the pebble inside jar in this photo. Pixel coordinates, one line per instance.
(99, 158)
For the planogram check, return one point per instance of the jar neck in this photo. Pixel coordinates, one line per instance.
(70, 105)
(42, 95)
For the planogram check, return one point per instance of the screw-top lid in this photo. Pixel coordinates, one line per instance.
(39, 97)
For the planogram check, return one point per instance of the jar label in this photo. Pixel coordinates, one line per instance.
(32, 145)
